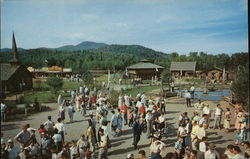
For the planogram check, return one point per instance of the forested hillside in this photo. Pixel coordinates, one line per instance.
(118, 57)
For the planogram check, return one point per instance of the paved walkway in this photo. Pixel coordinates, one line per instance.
(121, 146)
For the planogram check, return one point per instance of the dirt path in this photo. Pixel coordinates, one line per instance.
(122, 145)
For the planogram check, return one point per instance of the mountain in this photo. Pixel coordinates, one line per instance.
(86, 45)
(10, 50)
(136, 50)
(93, 47)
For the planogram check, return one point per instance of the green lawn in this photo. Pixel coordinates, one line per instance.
(42, 97)
(67, 85)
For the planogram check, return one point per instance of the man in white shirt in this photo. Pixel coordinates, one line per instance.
(202, 145)
(192, 91)
(196, 117)
(188, 98)
(229, 152)
(58, 140)
(103, 146)
(237, 153)
(61, 128)
(138, 104)
(212, 153)
(202, 132)
(217, 117)
(206, 110)
(199, 106)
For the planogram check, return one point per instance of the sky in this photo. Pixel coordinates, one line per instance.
(183, 26)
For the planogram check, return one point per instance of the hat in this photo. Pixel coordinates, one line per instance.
(10, 140)
(211, 146)
(129, 155)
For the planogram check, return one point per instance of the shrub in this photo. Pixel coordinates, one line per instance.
(113, 97)
(55, 83)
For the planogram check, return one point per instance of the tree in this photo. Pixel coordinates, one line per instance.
(87, 77)
(240, 86)
(55, 83)
(166, 77)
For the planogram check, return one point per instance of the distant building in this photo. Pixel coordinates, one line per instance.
(217, 74)
(54, 70)
(183, 69)
(14, 75)
(144, 70)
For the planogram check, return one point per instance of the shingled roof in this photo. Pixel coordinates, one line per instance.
(145, 65)
(7, 70)
(182, 66)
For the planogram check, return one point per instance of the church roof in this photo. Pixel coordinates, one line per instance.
(7, 70)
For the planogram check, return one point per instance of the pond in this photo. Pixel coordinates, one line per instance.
(210, 96)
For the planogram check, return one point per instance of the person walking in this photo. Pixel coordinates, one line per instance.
(61, 128)
(103, 146)
(217, 117)
(206, 110)
(82, 145)
(212, 153)
(49, 126)
(59, 100)
(3, 112)
(71, 112)
(136, 130)
(124, 111)
(91, 136)
(46, 145)
(113, 123)
(119, 121)
(61, 113)
(120, 101)
(188, 98)
(163, 104)
(57, 140)
(227, 119)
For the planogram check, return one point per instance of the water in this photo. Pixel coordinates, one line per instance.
(210, 96)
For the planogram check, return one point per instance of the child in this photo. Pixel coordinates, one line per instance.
(238, 137)
(130, 118)
(178, 147)
(33, 136)
(41, 130)
(73, 150)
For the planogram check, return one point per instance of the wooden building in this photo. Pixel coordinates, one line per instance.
(217, 74)
(144, 70)
(183, 69)
(15, 76)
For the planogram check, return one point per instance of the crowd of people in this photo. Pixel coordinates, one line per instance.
(141, 114)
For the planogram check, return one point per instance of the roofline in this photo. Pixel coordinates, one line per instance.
(146, 68)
